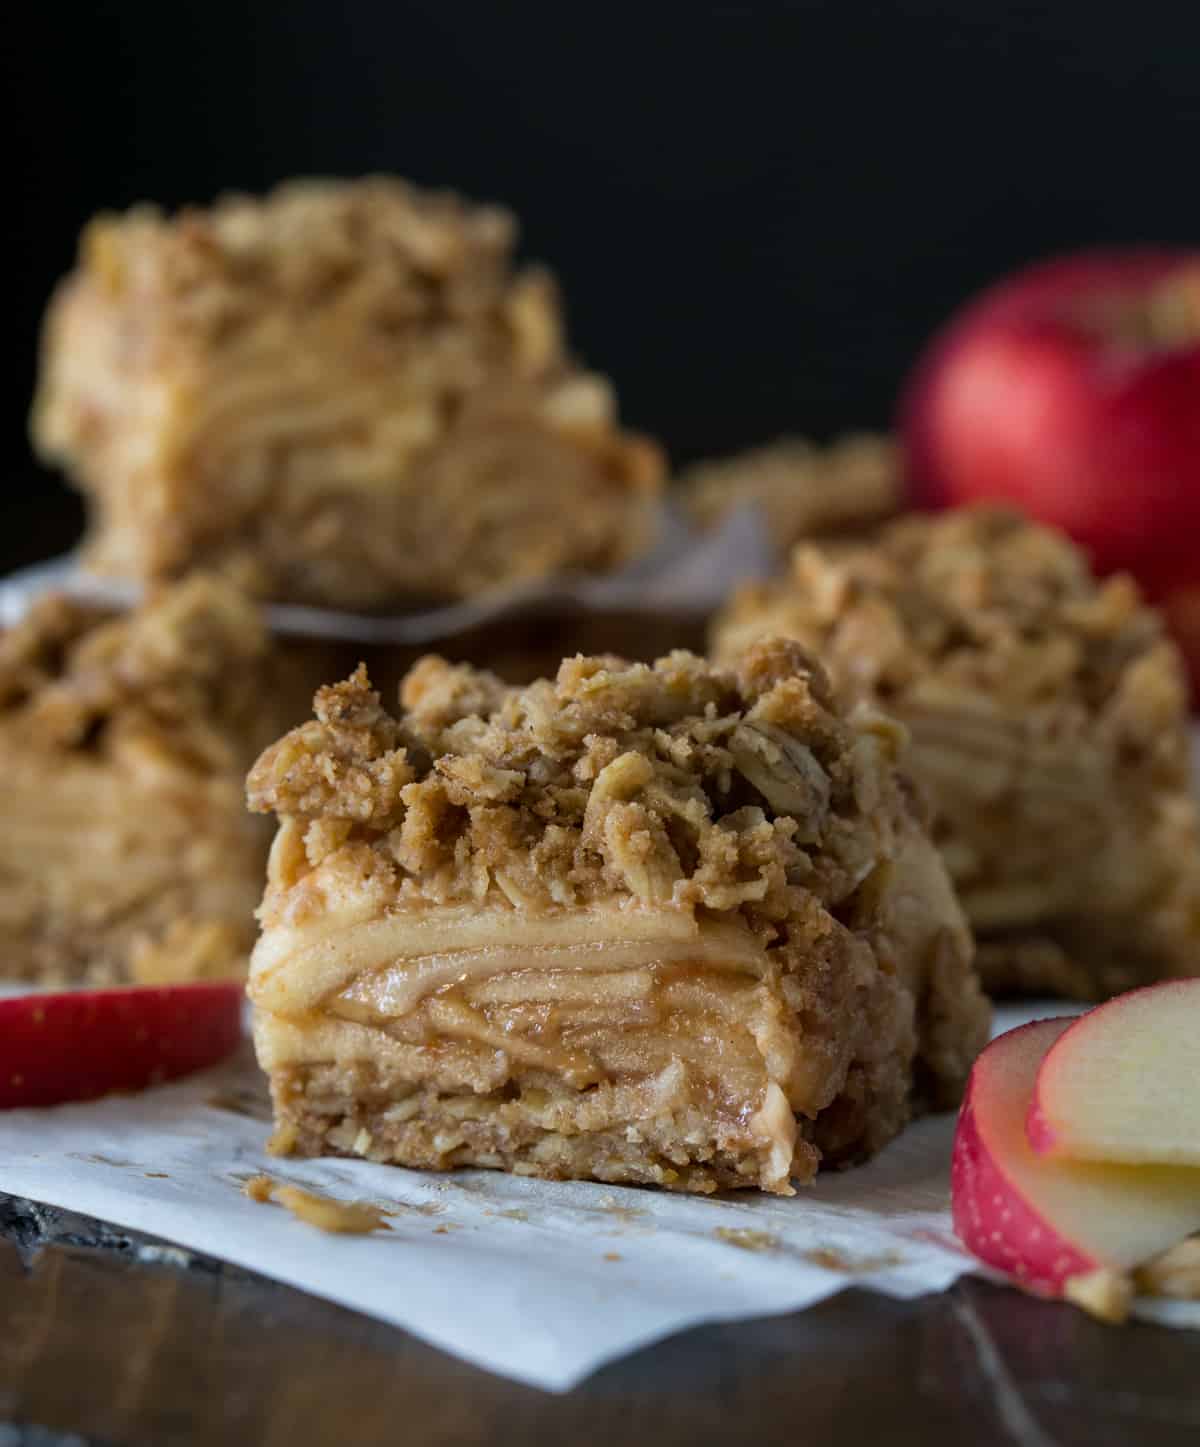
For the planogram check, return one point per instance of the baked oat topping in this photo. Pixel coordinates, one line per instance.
(980, 598)
(183, 670)
(803, 490)
(674, 783)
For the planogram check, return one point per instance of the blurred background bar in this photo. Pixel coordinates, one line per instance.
(758, 211)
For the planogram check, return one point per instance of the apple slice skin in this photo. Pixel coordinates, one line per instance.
(1017, 1239)
(1045, 1221)
(82, 1044)
(1078, 1113)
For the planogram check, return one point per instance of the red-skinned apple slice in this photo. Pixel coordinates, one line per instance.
(1121, 1083)
(1046, 1221)
(86, 1043)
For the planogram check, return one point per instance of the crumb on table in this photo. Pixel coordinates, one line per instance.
(1105, 1294)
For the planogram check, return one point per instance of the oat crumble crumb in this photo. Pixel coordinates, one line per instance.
(746, 1239)
(258, 1188)
(1104, 1293)
(339, 1218)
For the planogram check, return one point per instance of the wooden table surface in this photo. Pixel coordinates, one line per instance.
(107, 1337)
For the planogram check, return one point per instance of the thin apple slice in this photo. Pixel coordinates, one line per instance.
(1121, 1083)
(1047, 1221)
(81, 1044)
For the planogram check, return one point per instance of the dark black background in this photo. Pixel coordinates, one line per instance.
(758, 211)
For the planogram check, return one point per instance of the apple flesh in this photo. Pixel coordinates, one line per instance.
(86, 1043)
(1046, 1221)
(1121, 1083)
(1072, 390)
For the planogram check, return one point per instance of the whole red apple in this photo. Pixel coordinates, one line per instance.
(1073, 391)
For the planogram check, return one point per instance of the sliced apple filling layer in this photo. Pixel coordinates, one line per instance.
(122, 873)
(564, 931)
(685, 1031)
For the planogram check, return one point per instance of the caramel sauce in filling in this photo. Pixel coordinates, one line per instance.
(583, 1021)
(620, 1026)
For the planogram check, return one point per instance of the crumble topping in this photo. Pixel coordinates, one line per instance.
(415, 256)
(978, 598)
(803, 491)
(184, 671)
(675, 783)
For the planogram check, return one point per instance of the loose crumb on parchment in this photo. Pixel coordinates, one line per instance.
(258, 1188)
(342, 1218)
(830, 1259)
(746, 1239)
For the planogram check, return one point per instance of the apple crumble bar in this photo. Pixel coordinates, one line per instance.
(803, 491)
(126, 854)
(663, 924)
(1048, 716)
(341, 394)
